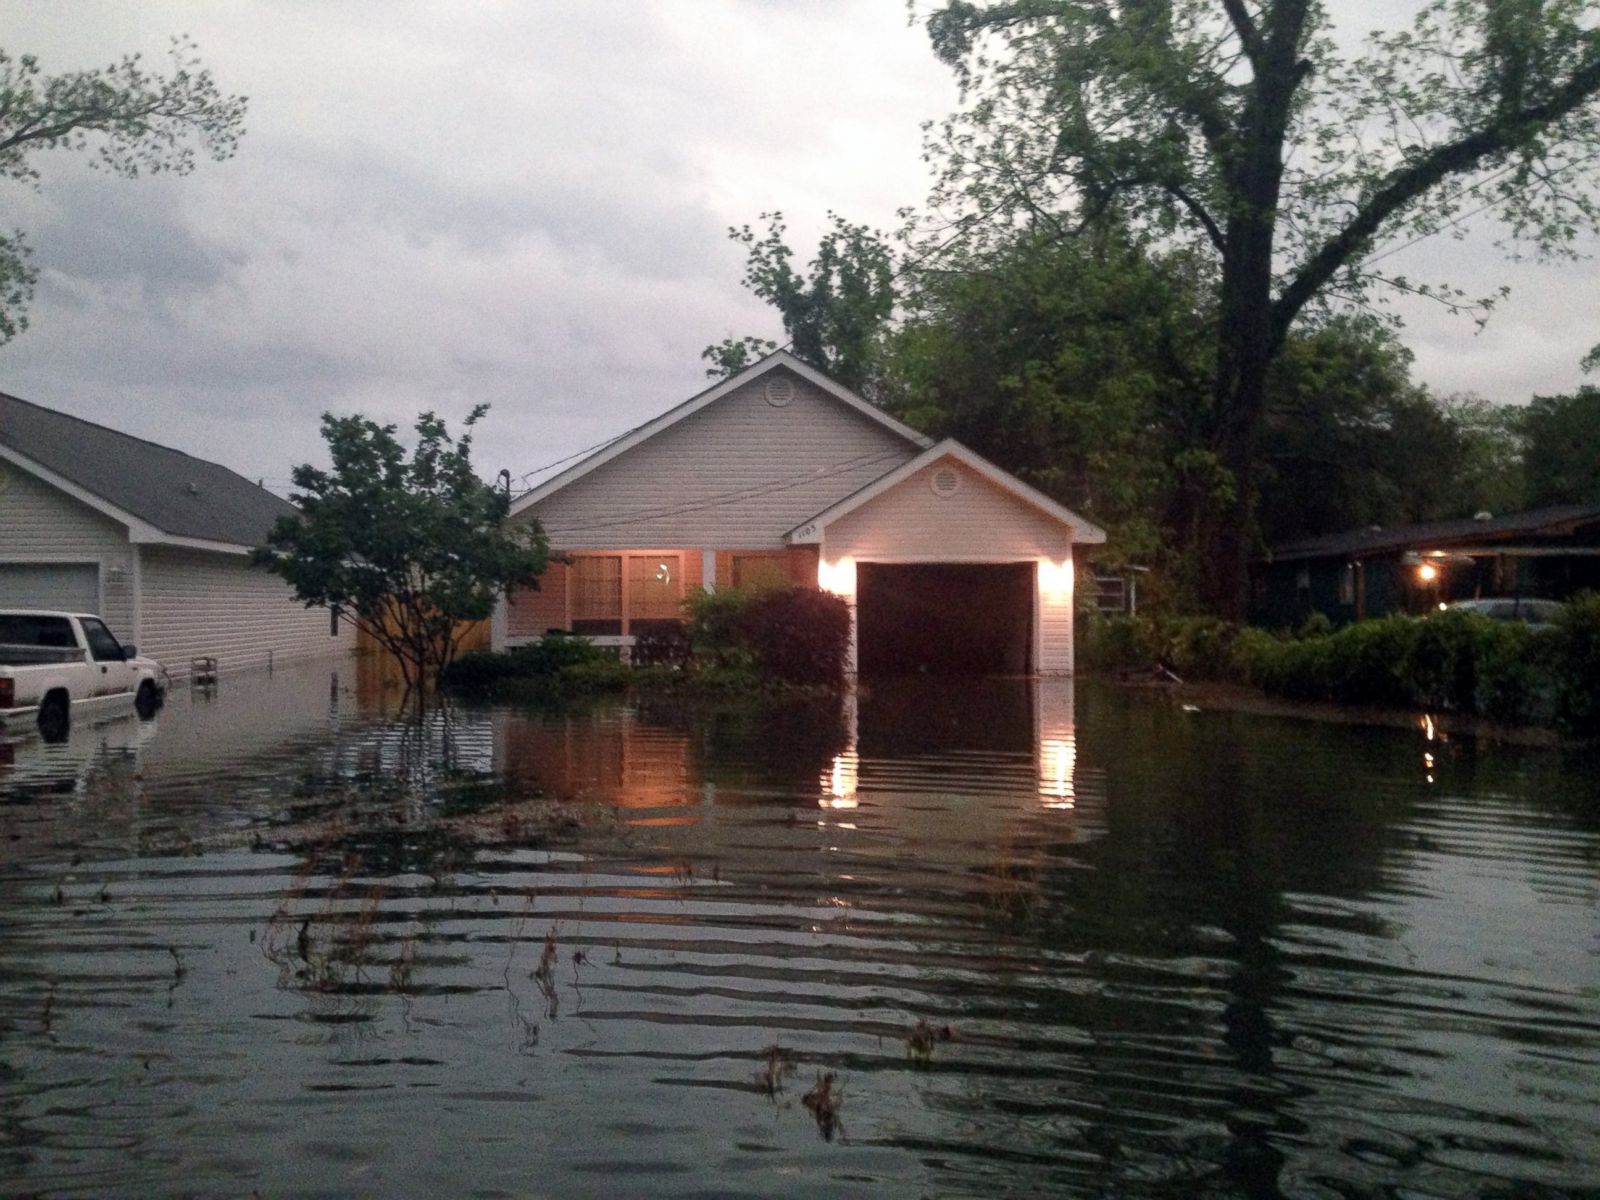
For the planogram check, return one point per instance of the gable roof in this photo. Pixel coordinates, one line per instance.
(1557, 521)
(773, 361)
(162, 495)
(1082, 531)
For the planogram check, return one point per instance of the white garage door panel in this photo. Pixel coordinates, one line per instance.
(74, 587)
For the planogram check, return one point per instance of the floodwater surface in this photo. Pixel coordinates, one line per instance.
(979, 939)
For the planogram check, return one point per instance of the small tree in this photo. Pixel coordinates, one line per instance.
(140, 122)
(405, 549)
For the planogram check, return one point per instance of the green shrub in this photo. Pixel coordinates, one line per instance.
(1576, 670)
(797, 635)
(1117, 643)
(713, 627)
(550, 658)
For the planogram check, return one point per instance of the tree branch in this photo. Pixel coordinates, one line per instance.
(1244, 25)
(1406, 183)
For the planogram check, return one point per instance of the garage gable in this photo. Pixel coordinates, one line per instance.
(947, 504)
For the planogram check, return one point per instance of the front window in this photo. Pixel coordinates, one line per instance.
(597, 595)
(760, 572)
(655, 588)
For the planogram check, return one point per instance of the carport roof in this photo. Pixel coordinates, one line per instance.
(162, 495)
(1082, 531)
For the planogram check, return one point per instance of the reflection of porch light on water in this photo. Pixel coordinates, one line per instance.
(839, 782)
(1055, 579)
(837, 577)
(1057, 757)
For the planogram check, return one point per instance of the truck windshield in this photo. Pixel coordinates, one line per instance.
(51, 632)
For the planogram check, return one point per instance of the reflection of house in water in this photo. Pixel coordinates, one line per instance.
(939, 759)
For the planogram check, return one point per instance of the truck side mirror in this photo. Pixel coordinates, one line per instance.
(129, 652)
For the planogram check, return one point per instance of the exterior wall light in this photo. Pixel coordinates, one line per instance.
(1055, 580)
(837, 577)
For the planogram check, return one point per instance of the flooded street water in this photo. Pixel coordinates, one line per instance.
(274, 944)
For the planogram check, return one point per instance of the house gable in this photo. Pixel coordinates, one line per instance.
(947, 503)
(733, 469)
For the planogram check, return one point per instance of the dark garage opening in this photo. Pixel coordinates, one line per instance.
(944, 618)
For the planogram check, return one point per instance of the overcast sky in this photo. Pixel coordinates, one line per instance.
(524, 203)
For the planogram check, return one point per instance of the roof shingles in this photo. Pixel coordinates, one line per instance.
(183, 496)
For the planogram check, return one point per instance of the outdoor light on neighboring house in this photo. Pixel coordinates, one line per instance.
(838, 577)
(1427, 572)
(1055, 579)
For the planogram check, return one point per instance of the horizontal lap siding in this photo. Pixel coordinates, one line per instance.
(738, 474)
(39, 523)
(981, 521)
(1055, 635)
(197, 604)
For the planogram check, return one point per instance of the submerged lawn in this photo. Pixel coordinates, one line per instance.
(1083, 943)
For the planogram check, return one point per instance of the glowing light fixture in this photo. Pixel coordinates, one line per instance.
(1427, 572)
(837, 577)
(1055, 580)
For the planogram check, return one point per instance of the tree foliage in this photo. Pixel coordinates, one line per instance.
(406, 549)
(137, 123)
(1350, 440)
(1242, 130)
(834, 316)
(1562, 459)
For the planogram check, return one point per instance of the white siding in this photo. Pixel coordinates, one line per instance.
(39, 523)
(738, 474)
(980, 522)
(199, 603)
(1054, 616)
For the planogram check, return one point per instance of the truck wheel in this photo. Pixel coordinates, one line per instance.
(55, 719)
(146, 700)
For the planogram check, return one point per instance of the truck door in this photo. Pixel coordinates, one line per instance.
(111, 674)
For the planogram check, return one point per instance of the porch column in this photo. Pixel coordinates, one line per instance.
(708, 570)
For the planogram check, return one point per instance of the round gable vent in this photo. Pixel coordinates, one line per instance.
(779, 391)
(945, 482)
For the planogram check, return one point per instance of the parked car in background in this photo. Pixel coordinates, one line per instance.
(1510, 608)
(57, 666)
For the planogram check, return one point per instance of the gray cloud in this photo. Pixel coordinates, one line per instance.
(438, 204)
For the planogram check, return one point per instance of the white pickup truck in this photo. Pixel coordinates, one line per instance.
(55, 666)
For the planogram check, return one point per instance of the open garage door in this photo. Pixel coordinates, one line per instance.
(944, 618)
(69, 587)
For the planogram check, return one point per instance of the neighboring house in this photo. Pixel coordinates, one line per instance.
(154, 540)
(1548, 552)
(780, 475)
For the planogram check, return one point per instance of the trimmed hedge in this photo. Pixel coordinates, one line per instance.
(1456, 661)
(794, 635)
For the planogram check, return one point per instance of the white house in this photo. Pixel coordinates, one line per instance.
(779, 474)
(154, 540)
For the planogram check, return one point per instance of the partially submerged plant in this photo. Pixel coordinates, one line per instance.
(776, 1066)
(923, 1039)
(825, 1100)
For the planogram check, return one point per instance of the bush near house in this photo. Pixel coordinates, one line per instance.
(1453, 661)
(731, 642)
(558, 662)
